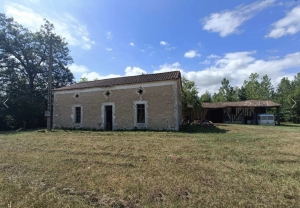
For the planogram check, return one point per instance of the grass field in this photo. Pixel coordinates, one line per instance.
(227, 166)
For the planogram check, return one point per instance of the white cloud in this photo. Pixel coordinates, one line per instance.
(163, 43)
(238, 66)
(109, 49)
(33, 1)
(168, 67)
(129, 71)
(131, 44)
(191, 54)
(94, 75)
(273, 57)
(213, 56)
(78, 68)
(207, 62)
(109, 35)
(167, 45)
(289, 25)
(228, 21)
(68, 27)
(132, 71)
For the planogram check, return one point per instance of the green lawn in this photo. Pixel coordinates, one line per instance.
(227, 166)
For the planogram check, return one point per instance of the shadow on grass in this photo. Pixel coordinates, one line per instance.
(288, 125)
(201, 129)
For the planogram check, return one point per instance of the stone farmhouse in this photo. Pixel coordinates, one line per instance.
(150, 101)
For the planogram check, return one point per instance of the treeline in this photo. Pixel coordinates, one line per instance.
(256, 88)
(24, 63)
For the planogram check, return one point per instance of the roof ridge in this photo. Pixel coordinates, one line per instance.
(163, 76)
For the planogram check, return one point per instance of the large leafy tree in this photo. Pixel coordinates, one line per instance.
(206, 97)
(288, 92)
(295, 95)
(190, 98)
(284, 89)
(252, 89)
(226, 93)
(24, 66)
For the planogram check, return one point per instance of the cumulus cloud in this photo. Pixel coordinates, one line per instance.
(236, 67)
(33, 1)
(289, 25)
(191, 54)
(132, 71)
(227, 22)
(68, 27)
(109, 49)
(213, 56)
(164, 43)
(131, 44)
(167, 45)
(273, 57)
(129, 71)
(94, 75)
(168, 67)
(109, 35)
(205, 62)
(78, 68)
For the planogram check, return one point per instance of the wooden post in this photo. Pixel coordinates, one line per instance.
(49, 107)
(278, 115)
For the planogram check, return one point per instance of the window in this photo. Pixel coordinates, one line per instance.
(140, 113)
(77, 114)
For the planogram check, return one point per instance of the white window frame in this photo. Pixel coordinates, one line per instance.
(136, 124)
(74, 115)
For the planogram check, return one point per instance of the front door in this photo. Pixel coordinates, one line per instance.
(108, 118)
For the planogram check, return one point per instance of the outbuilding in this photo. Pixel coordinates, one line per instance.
(242, 112)
(148, 101)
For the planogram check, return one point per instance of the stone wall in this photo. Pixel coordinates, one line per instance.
(163, 111)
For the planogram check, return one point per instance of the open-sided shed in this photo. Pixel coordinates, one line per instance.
(236, 112)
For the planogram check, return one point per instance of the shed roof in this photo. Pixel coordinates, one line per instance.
(247, 103)
(124, 80)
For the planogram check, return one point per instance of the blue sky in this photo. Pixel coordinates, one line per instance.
(205, 40)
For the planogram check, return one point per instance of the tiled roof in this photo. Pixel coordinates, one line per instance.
(247, 103)
(124, 80)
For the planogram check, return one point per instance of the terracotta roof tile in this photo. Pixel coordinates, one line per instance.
(247, 103)
(124, 80)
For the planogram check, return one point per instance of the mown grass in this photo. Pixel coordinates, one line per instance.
(227, 166)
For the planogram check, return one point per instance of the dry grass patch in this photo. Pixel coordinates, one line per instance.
(230, 166)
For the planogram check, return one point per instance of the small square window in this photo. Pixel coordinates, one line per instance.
(140, 113)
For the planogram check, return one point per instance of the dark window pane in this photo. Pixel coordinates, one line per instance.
(140, 113)
(78, 115)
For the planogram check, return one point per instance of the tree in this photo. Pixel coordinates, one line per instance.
(252, 87)
(295, 95)
(266, 88)
(226, 93)
(190, 99)
(255, 90)
(83, 79)
(284, 89)
(206, 97)
(24, 62)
